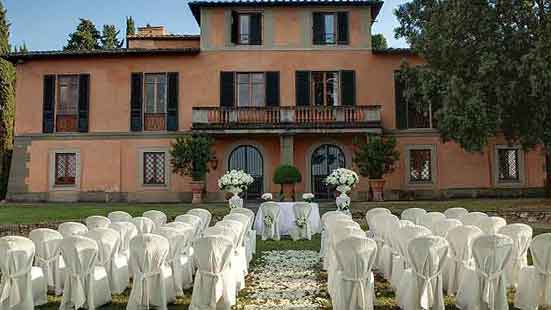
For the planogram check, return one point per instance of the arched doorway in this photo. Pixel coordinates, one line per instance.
(249, 159)
(325, 159)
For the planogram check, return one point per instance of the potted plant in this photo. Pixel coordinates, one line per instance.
(190, 156)
(374, 159)
(287, 176)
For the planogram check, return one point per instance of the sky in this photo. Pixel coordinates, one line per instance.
(46, 24)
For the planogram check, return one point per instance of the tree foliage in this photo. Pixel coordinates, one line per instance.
(130, 26)
(85, 37)
(376, 157)
(190, 156)
(378, 41)
(109, 37)
(7, 87)
(286, 174)
(487, 68)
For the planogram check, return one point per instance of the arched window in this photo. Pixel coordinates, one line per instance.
(249, 159)
(325, 159)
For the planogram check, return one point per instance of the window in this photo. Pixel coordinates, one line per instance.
(154, 168)
(251, 89)
(419, 117)
(247, 28)
(508, 165)
(155, 98)
(65, 168)
(420, 166)
(330, 28)
(67, 103)
(325, 89)
(410, 114)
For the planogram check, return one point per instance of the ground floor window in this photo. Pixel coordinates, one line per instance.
(154, 168)
(65, 168)
(420, 165)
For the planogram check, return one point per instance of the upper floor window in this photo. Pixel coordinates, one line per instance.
(246, 28)
(155, 101)
(251, 89)
(410, 114)
(65, 103)
(330, 28)
(325, 88)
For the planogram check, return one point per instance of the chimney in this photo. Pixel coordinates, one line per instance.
(151, 31)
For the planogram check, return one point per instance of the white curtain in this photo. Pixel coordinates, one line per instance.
(484, 286)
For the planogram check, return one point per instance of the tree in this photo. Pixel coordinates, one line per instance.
(7, 102)
(487, 68)
(378, 41)
(130, 26)
(21, 48)
(109, 37)
(86, 37)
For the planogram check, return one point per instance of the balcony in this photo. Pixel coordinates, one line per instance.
(288, 118)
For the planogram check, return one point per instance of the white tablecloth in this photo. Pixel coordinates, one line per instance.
(287, 219)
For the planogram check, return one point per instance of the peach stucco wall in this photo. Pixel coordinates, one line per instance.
(152, 43)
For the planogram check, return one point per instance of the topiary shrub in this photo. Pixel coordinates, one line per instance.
(287, 174)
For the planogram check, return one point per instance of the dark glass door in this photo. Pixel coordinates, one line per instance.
(249, 159)
(325, 159)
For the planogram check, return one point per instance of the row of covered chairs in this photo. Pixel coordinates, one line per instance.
(472, 256)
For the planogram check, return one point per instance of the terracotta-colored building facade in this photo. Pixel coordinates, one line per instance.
(272, 82)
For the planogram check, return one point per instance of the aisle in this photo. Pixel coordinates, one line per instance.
(288, 279)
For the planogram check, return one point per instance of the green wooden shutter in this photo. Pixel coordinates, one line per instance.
(401, 106)
(136, 101)
(272, 89)
(48, 107)
(227, 89)
(318, 28)
(172, 101)
(234, 26)
(302, 88)
(342, 28)
(256, 29)
(348, 87)
(83, 102)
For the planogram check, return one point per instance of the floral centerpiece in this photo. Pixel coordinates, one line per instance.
(308, 197)
(301, 222)
(344, 180)
(235, 182)
(268, 220)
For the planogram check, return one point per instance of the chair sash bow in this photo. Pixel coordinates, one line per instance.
(489, 284)
(10, 286)
(427, 291)
(360, 290)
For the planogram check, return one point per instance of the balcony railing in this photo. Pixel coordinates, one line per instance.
(287, 117)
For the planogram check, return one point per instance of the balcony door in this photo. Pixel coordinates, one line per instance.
(249, 159)
(325, 159)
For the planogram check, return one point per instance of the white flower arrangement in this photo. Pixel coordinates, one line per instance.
(235, 181)
(268, 220)
(308, 197)
(301, 222)
(343, 179)
(266, 197)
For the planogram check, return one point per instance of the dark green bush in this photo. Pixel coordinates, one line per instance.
(287, 174)
(190, 156)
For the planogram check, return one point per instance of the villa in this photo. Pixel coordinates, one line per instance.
(272, 82)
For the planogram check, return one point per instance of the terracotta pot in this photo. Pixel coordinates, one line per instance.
(377, 187)
(197, 189)
(288, 192)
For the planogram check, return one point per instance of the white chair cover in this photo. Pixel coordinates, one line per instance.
(252, 231)
(97, 221)
(460, 255)
(158, 217)
(143, 224)
(355, 282)
(152, 280)
(239, 258)
(302, 212)
(522, 237)
(325, 219)
(371, 213)
(441, 228)
(388, 224)
(270, 229)
(535, 281)
(421, 285)
(332, 224)
(455, 213)
(86, 285)
(404, 236)
(119, 216)
(192, 220)
(181, 227)
(205, 216)
(491, 225)
(484, 286)
(428, 220)
(472, 218)
(115, 264)
(127, 231)
(48, 257)
(69, 229)
(245, 238)
(178, 259)
(185, 263)
(22, 286)
(413, 214)
(214, 286)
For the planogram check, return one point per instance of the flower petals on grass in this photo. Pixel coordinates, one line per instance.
(286, 279)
